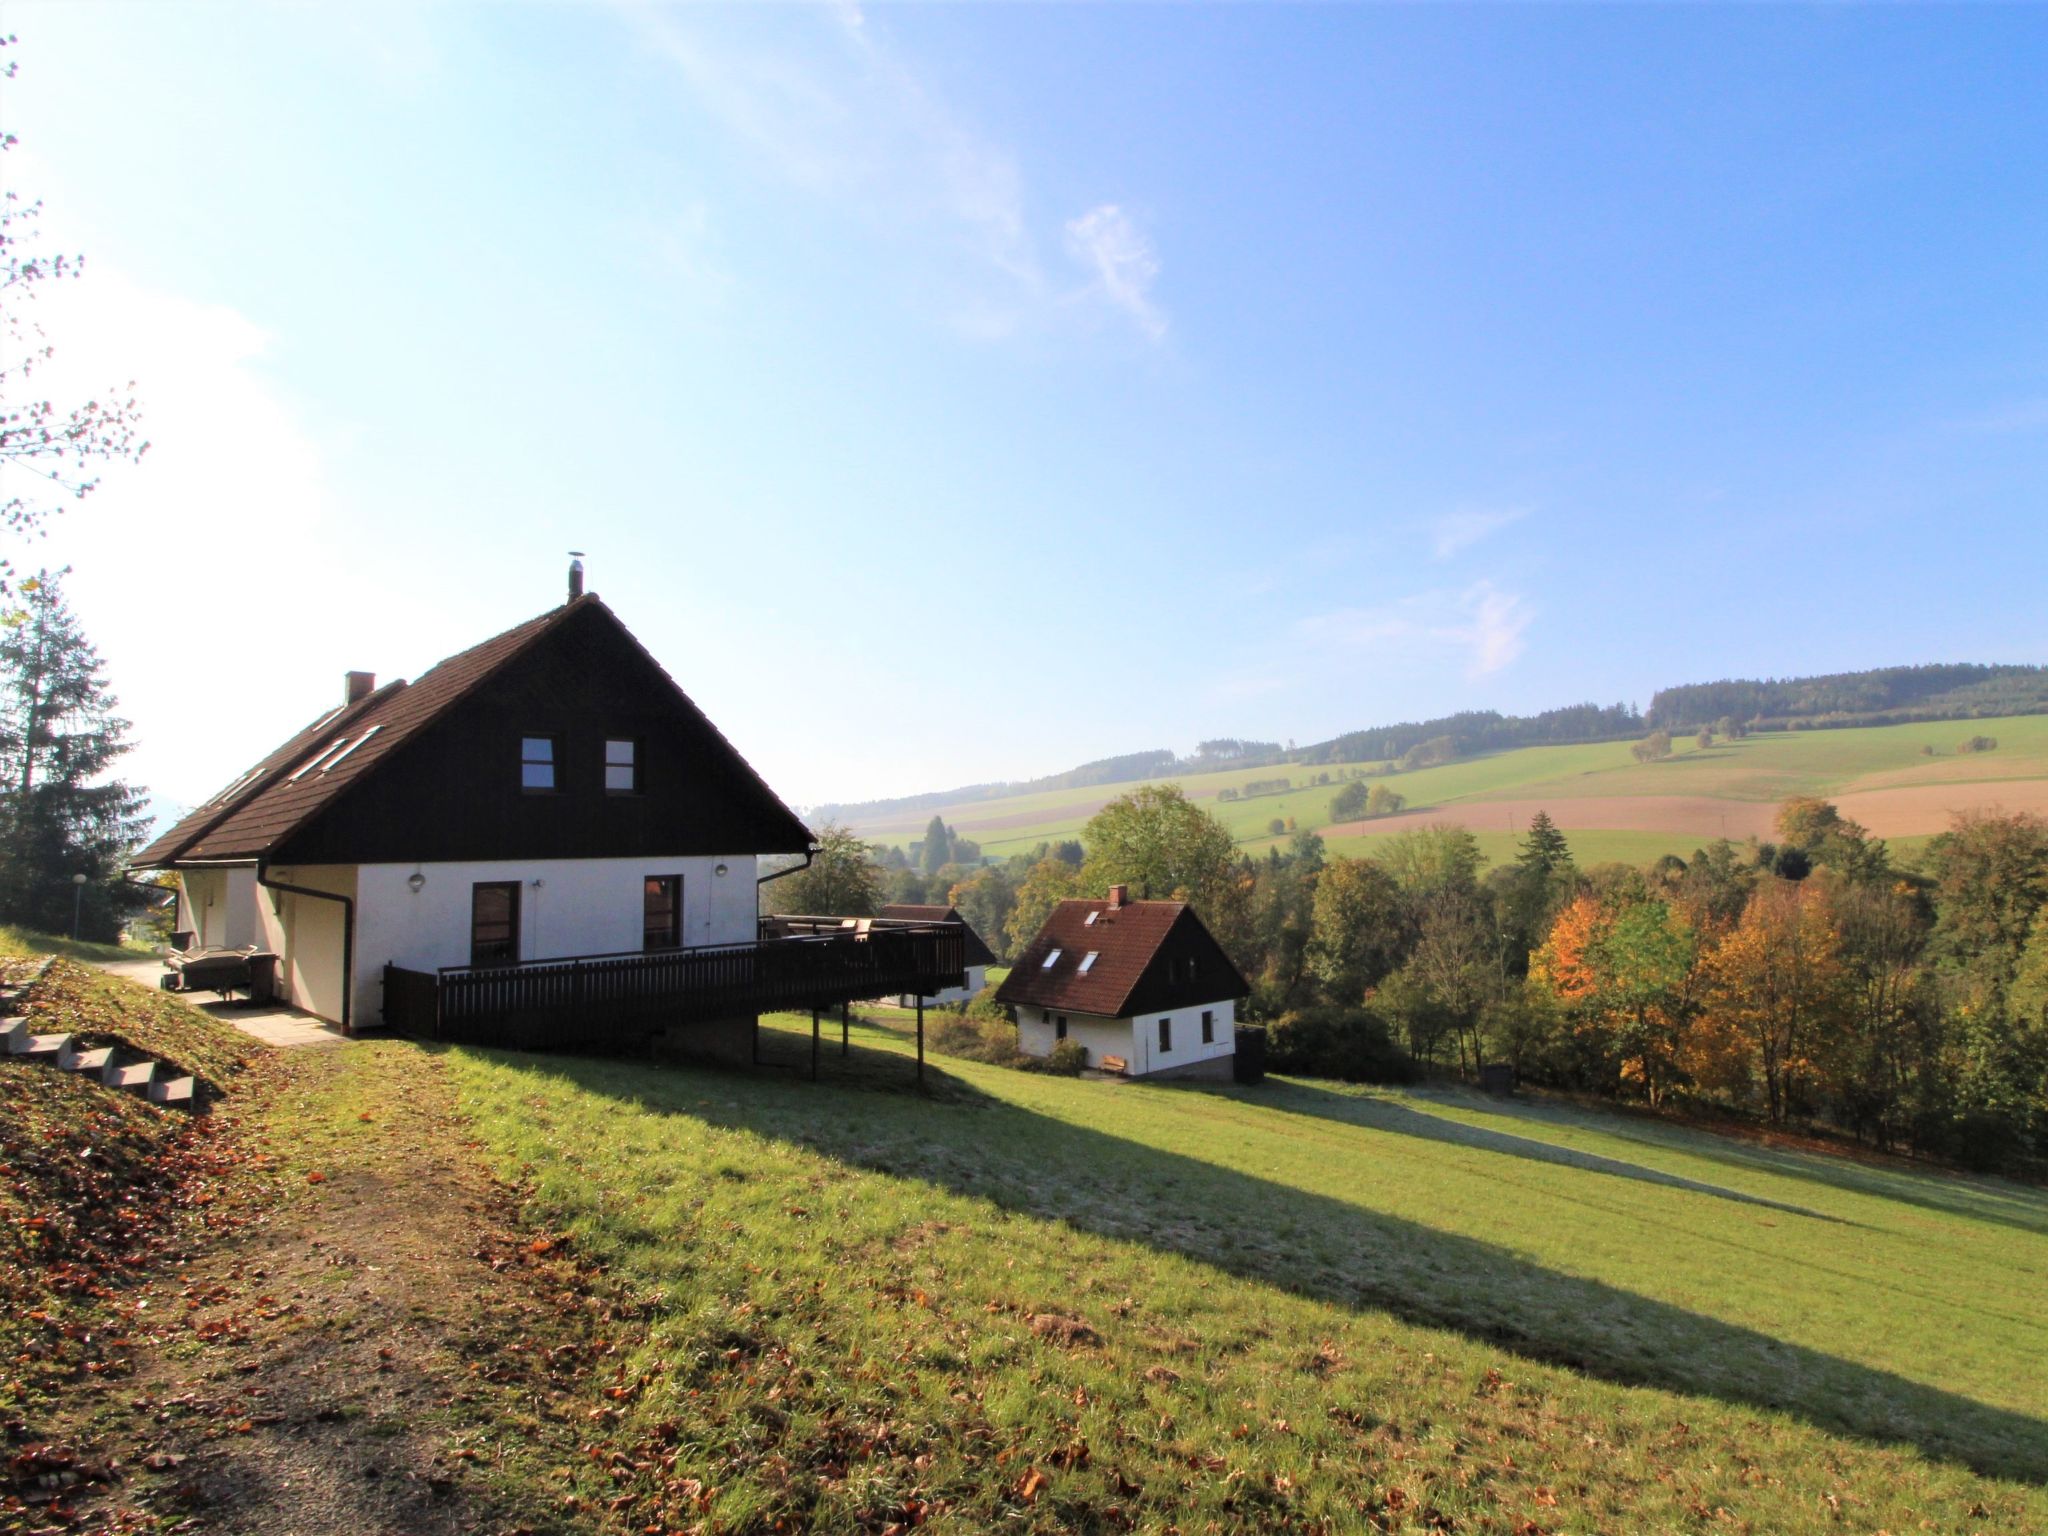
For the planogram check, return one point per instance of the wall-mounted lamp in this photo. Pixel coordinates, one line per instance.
(415, 882)
(719, 871)
(538, 884)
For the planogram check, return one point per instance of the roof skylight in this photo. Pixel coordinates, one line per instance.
(1089, 920)
(335, 761)
(1088, 960)
(318, 758)
(1050, 960)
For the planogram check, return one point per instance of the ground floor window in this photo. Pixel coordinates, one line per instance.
(1208, 1027)
(1166, 1034)
(661, 905)
(1059, 1030)
(494, 922)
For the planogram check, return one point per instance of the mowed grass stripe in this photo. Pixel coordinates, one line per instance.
(1473, 1330)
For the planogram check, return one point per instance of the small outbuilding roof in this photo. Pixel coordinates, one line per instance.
(1114, 959)
(978, 953)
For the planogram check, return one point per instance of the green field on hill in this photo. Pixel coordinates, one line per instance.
(1875, 764)
(1034, 1303)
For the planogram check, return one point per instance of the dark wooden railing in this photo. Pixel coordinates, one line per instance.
(593, 1002)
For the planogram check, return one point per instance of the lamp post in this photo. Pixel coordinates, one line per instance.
(77, 903)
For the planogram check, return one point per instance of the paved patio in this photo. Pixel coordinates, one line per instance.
(272, 1023)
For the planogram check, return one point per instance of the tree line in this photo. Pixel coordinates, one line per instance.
(1810, 982)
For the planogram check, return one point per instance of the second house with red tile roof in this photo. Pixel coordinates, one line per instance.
(1143, 986)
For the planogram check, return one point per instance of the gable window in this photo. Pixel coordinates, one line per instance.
(1050, 961)
(537, 758)
(1165, 1035)
(1208, 1027)
(661, 905)
(621, 767)
(494, 922)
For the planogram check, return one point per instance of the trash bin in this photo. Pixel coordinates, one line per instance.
(181, 938)
(263, 977)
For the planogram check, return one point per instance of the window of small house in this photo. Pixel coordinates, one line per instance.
(494, 922)
(661, 906)
(1208, 1027)
(1059, 1030)
(537, 763)
(1166, 1034)
(621, 767)
(1049, 961)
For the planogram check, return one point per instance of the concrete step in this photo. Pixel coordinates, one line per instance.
(173, 1092)
(37, 1047)
(135, 1077)
(9, 1028)
(77, 1058)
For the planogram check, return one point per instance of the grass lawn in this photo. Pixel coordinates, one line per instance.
(1035, 1303)
(23, 941)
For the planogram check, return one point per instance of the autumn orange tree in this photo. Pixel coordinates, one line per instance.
(1625, 973)
(1776, 982)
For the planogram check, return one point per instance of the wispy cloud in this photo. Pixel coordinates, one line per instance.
(830, 106)
(1481, 625)
(1108, 244)
(1456, 531)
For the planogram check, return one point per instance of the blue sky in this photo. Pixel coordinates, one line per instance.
(963, 392)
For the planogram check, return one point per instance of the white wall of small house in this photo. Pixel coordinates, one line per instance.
(579, 907)
(1134, 1039)
(977, 978)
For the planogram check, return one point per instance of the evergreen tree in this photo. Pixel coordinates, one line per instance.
(1544, 850)
(937, 852)
(59, 738)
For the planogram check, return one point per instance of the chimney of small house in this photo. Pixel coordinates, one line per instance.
(575, 574)
(358, 687)
(1119, 896)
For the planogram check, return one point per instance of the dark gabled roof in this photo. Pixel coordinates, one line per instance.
(273, 800)
(1131, 944)
(978, 953)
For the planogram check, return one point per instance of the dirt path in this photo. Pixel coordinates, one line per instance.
(363, 1342)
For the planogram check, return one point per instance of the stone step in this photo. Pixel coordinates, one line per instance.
(135, 1077)
(77, 1058)
(9, 1028)
(37, 1046)
(173, 1092)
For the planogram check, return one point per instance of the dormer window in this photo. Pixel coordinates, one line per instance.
(621, 767)
(537, 758)
(1050, 960)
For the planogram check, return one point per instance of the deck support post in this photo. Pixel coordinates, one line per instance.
(814, 1045)
(845, 1016)
(920, 1039)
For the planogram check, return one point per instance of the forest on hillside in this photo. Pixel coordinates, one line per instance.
(1881, 696)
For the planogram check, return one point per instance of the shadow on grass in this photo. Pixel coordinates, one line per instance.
(970, 1143)
(1929, 1188)
(1379, 1114)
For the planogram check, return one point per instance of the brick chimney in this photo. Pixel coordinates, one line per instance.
(1119, 896)
(358, 687)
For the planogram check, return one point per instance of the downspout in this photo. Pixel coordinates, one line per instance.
(348, 930)
(761, 880)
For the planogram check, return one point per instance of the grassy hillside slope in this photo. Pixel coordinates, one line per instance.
(1619, 807)
(1047, 1304)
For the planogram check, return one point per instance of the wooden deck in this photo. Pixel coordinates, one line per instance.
(604, 1002)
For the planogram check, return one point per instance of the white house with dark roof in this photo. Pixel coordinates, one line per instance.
(548, 793)
(979, 956)
(1143, 986)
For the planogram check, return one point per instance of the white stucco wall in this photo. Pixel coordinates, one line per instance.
(1136, 1040)
(219, 905)
(580, 907)
(306, 934)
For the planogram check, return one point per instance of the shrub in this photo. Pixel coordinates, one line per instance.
(1979, 744)
(1384, 801)
(1068, 1059)
(1347, 1043)
(957, 1034)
